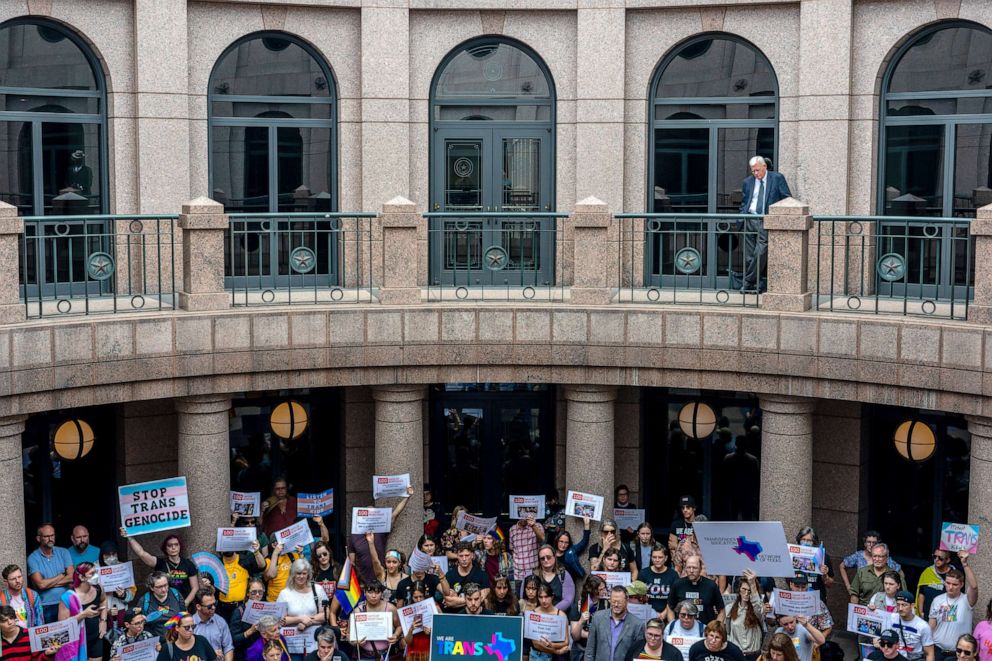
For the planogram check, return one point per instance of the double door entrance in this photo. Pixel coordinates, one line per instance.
(485, 182)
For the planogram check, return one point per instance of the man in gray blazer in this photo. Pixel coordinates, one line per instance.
(614, 634)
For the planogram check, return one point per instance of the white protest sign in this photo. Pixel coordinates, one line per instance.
(540, 625)
(867, 622)
(235, 539)
(614, 578)
(254, 610)
(371, 519)
(683, 643)
(143, 650)
(474, 524)
(116, 576)
(420, 561)
(390, 486)
(154, 506)
(730, 547)
(797, 604)
(628, 518)
(959, 537)
(246, 504)
(807, 559)
(581, 505)
(315, 504)
(441, 561)
(425, 609)
(371, 626)
(299, 642)
(295, 535)
(522, 507)
(55, 634)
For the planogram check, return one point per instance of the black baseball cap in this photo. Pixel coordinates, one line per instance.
(687, 501)
(889, 636)
(904, 595)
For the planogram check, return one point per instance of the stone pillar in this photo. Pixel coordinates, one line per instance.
(788, 223)
(980, 310)
(589, 453)
(980, 493)
(399, 448)
(11, 229)
(594, 253)
(400, 223)
(787, 461)
(204, 458)
(12, 490)
(203, 223)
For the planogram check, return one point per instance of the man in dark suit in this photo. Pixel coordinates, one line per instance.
(614, 634)
(759, 191)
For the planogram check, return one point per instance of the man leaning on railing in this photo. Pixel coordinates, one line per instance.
(759, 191)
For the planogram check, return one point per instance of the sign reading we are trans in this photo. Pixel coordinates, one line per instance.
(482, 637)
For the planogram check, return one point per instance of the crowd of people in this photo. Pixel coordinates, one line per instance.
(625, 594)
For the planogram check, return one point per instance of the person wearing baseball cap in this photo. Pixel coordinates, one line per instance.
(682, 526)
(888, 647)
(915, 636)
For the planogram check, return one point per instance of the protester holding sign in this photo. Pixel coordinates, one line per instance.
(134, 632)
(418, 638)
(86, 602)
(304, 599)
(390, 575)
(744, 627)
(610, 539)
(358, 546)
(15, 642)
(549, 647)
(569, 553)
(181, 571)
(374, 603)
(277, 569)
(951, 612)
(428, 574)
(239, 567)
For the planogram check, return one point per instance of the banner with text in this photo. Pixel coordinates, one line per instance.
(730, 547)
(154, 506)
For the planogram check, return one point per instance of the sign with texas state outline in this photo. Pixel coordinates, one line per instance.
(476, 638)
(730, 547)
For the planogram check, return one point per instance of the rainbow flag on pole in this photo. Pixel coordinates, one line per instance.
(348, 591)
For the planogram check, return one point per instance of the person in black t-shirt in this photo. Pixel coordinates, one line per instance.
(462, 574)
(654, 644)
(701, 591)
(659, 578)
(714, 646)
(888, 647)
(682, 527)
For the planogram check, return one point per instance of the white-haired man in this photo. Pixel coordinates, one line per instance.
(759, 191)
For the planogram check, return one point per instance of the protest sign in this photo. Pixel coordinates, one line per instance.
(295, 535)
(540, 625)
(581, 505)
(116, 576)
(959, 537)
(797, 604)
(55, 634)
(299, 642)
(371, 519)
(315, 504)
(246, 504)
(441, 561)
(235, 539)
(730, 547)
(628, 518)
(420, 561)
(683, 643)
(474, 524)
(154, 506)
(143, 650)
(863, 620)
(425, 609)
(256, 609)
(485, 637)
(614, 578)
(807, 559)
(211, 564)
(390, 486)
(522, 507)
(371, 626)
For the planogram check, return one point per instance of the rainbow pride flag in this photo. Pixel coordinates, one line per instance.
(348, 591)
(500, 535)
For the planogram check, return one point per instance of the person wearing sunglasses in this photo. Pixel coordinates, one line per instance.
(609, 539)
(931, 583)
(915, 637)
(966, 648)
(244, 634)
(211, 626)
(887, 647)
(951, 612)
(182, 644)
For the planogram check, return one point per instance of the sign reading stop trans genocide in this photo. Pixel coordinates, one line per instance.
(154, 506)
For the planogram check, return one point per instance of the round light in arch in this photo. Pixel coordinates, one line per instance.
(697, 420)
(914, 440)
(289, 420)
(73, 439)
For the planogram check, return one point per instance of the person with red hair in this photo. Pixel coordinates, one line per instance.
(87, 603)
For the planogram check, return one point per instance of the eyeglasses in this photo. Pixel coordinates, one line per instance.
(961, 652)
(547, 557)
(160, 587)
(186, 627)
(208, 608)
(256, 591)
(937, 556)
(648, 634)
(885, 643)
(323, 555)
(686, 615)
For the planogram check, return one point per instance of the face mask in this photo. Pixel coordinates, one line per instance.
(110, 560)
(93, 580)
(805, 542)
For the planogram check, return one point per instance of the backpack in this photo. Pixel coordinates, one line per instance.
(146, 604)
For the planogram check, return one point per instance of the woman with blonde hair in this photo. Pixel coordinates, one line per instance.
(303, 599)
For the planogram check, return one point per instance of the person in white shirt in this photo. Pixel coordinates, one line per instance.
(951, 613)
(915, 636)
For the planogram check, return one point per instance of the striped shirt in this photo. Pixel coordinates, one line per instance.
(18, 649)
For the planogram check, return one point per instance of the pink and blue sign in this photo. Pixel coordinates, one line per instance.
(959, 537)
(154, 506)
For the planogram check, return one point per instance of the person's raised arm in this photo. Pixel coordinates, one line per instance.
(194, 585)
(400, 506)
(257, 556)
(813, 632)
(273, 567)
(581, 545)
(971, 583)
(377, 568)
(325, 536)
(138, 549)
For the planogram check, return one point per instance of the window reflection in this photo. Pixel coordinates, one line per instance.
(950, 58)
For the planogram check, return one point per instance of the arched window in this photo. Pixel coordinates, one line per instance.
(937, 124)
(52, 121)
(272, 127)
(492, 150)
(714, 104)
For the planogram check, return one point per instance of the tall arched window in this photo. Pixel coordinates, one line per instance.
(272, 103)
(492, 150)
(52, 121)
(714, 104)
(937, 123)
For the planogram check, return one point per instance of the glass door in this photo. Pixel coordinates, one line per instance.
(492, 170)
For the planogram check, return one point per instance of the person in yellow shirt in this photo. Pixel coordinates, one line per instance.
(277, 570)
(239, 568)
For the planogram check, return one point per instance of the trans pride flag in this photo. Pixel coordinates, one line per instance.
(348, 591)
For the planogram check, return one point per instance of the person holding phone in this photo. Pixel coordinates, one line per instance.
(87, 603)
